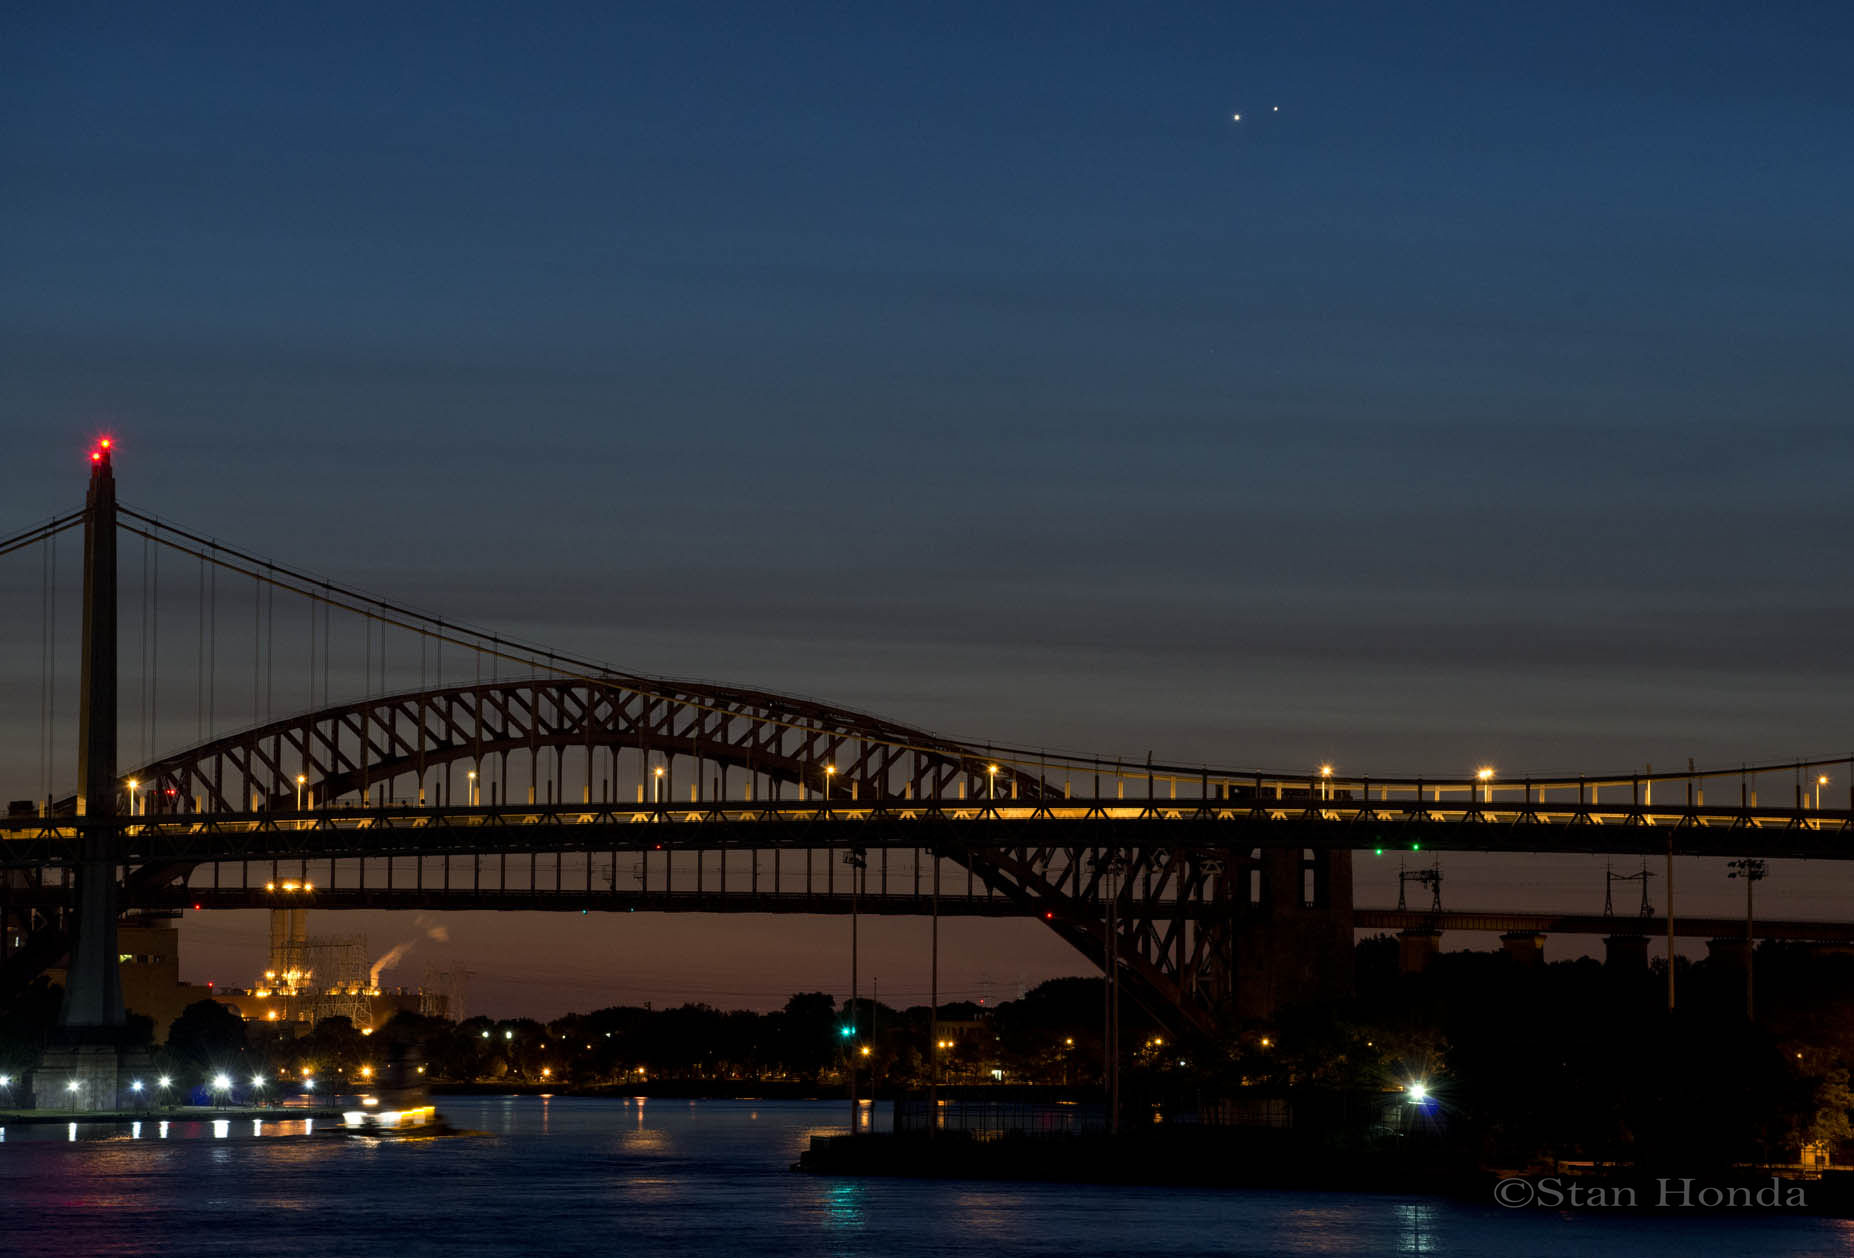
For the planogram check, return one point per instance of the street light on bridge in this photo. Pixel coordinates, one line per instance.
(656, 785)
(472, 776)
(302, 780)
(1326, 781)
(134, 785)
(1821, 780)
(1484, 775)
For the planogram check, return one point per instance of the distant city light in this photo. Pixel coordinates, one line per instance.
(1418, 1093)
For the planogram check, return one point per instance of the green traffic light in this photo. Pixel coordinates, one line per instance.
(1380, 852)
(1416, 847)
(847, 1032)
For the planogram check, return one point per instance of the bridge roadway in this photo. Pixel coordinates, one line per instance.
(953, 903)
(347, 832)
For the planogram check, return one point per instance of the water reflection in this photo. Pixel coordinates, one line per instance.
(843, 1205)
(135, 1131)
(71, 1132)
(257, 1126)
(221, 1128)
(163, 1132)
(1416, 1227)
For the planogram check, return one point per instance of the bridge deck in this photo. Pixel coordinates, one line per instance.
(346, 832)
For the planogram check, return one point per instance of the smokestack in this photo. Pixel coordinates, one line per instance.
(279, 941)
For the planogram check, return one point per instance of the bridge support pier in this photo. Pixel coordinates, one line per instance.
(1626, 952)
(1524, 947)
(1729, 952)
(89, 1065)
(1296, 943)
(1416, 948)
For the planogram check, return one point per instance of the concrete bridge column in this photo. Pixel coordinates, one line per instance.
(1416, 947)
(1526, 947)
(1626, 952)
(1728, 952)
(86, 1065)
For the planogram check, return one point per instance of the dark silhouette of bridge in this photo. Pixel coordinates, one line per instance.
(1211, 892)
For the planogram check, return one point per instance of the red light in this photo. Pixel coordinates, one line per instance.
(196, 907)
(1049, 917)
(96, 456)
(106, 443)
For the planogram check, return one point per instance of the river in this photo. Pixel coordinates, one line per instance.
(566, 1175)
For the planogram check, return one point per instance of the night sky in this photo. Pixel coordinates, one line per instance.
(1480, 397)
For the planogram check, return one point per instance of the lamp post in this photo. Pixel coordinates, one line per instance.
(1484, 775)
(1751, 870)
(221, 1085)
(72, 1089)
(134, 785)
(1821, 780)
(991, 782)
(472, 777)
(163, 1084)
(302, 780)
(1326, 782)
(656, 785)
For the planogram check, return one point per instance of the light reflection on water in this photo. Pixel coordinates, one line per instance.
(578, 1176)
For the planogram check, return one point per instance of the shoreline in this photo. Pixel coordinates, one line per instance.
(177, 1113)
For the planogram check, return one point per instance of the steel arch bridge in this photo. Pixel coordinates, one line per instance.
(710, 752)
(1216, 898)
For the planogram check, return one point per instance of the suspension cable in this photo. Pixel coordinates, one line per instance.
(879, 731)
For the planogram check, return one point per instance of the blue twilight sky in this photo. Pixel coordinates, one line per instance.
(1481, 395)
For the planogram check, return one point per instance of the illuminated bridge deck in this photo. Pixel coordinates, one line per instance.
(947, 825)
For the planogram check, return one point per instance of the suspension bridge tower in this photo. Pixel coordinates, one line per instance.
(89, 1064)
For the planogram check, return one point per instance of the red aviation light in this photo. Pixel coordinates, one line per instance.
(105, 443)
(96, 456)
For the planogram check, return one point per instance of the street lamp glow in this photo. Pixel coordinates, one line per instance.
(221, 1082)
(257, 1081)
(1484, 773)
(1326, 770)
(135, 1086)
(164, 1082)
(1418, 1093)
(73, 1086)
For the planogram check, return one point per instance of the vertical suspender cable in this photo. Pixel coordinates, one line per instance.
(257, 648)
(141, 716)
(51, 684)
(327, 629)
(45, 672)
(212, 644)
(199, 663)
(154, 654)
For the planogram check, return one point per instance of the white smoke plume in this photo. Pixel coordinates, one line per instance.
(398, 951)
